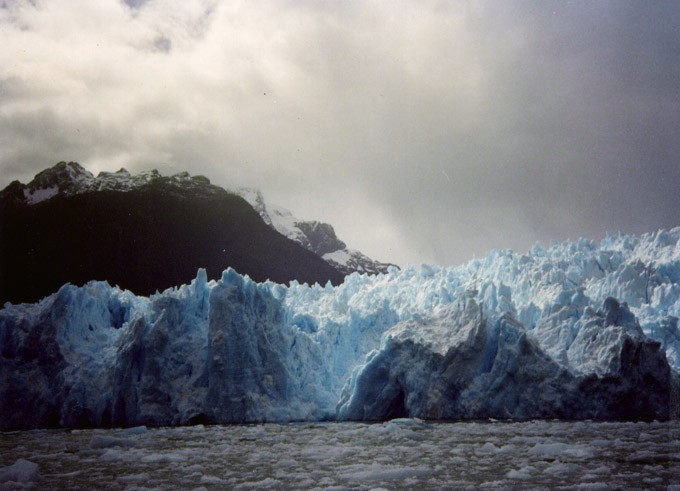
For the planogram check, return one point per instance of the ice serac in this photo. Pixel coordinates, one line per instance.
(461, 365)
(56, 356)
(576, 330)
(255, 369)
(213, 352)
(155, 374)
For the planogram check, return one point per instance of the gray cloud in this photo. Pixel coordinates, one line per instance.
(424, 131)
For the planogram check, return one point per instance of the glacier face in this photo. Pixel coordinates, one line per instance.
(574, 330)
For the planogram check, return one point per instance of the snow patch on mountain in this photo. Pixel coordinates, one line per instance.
(70, 178)
(38, 195)
(277, 217)
(341, 256)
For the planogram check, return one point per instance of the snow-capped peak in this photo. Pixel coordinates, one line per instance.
(62, 178)
(318, 237)
(277, 217)
(70, 178)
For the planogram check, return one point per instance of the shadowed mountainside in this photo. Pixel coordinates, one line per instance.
(144, 239)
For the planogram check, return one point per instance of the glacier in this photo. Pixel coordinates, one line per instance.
(573, 330)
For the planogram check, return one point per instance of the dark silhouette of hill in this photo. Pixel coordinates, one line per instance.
(144, 239)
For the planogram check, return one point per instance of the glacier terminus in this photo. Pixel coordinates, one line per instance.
(576, 330)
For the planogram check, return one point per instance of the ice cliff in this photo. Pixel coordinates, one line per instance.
(572, 330)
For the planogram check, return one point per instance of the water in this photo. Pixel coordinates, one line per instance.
(396, 455)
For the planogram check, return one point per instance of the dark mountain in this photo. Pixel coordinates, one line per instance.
(143, 233)
(321, 238)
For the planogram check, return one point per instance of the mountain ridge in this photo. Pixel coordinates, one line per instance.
(318, 237)
(70, 178)
(145, 233)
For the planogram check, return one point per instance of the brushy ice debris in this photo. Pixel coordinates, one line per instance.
(465, 455)
(108, 441)
(136, 430)
(20, 472)
(573, 330)
(382, 472)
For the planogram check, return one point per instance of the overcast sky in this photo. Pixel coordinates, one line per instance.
(423, 131)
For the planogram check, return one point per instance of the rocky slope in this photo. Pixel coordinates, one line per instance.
(318, 237)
